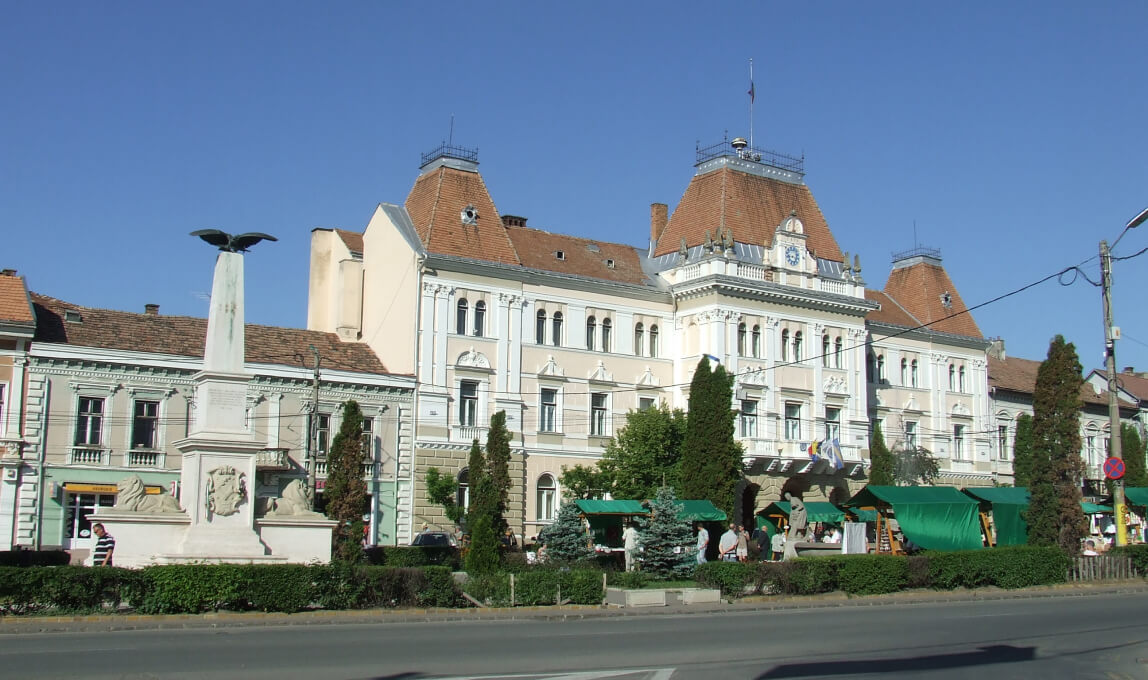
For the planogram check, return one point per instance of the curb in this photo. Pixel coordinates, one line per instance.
(16, 625)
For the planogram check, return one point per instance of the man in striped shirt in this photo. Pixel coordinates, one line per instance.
(105, 545)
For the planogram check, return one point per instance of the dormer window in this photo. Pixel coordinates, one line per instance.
(947, 300)
(560, 255)
(610, 264)
(72, 315)
(469, 215)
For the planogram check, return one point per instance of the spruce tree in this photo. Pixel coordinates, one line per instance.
(498, 469)
(566, 540)
(1022, 453)
(1054, 514)
(880, 459)
(660, 534)
(346, 491)
(711, 458)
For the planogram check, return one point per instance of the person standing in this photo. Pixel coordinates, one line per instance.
(727, 545)
(630, 542)
(777, 546)
(742, 544)
(761, 537)
(105, 546)
(703, 543)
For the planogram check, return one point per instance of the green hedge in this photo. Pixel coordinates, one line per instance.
(1139, 555)
(731, 578)
(1007, 567)
(537, 587)
(27, 590)
(413, 556)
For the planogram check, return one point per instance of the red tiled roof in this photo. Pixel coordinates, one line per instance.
(890, 311)
(186, 336)
(1019, 375)
(14, 304)
(436, 203)
(537, 250)
(352, 239)
(753, 207)
(1136, 384)
(919, 288)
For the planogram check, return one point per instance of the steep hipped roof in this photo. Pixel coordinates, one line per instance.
(436, 203)
(15, 308)
(1019, 375)
(922, 288)
(352, 239)
(185, 336)
(752, 206)
(890, 312)
(538, 249)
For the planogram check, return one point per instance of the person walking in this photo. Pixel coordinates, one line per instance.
(742, 544)
(105, 546)
(703, 543)
(777, 546)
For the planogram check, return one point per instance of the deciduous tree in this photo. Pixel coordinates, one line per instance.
(915, 466)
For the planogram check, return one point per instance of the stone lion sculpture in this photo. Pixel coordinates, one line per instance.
(133, 497)
(293, 502)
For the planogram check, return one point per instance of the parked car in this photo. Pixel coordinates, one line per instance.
(438, 547)
(435, 539)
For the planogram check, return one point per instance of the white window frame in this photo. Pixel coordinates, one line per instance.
(556, 321)
(1002, 440)
(546, 498)
(833, 424)
(101, 429)
(549, 424)
(960, 432)
(157, 419)
(639, 338)
(600, 415)
(748, 425)
(793, 422)
(461, 316)
(911, 434)
(654, 340)
(473, 414)
(479, 330)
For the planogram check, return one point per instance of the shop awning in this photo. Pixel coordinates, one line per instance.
(815, 511)
(700, 511)
(1008, 505)
(84, 487)
(933, 517)
(596, 507)
(1095, 508)
(1136, 495)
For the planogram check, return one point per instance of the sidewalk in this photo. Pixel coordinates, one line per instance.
(116, 622)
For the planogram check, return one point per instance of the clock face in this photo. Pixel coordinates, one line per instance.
(792, 256)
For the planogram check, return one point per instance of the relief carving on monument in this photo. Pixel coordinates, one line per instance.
(226, 490)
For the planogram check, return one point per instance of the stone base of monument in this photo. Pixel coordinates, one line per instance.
(142, 537)
(300, 540)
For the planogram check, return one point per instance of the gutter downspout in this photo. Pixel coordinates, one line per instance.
(418, 331)
(38, 526)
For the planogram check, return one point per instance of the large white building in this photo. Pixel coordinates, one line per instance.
(567, 334)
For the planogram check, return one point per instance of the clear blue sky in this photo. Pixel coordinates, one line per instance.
(1012, 134)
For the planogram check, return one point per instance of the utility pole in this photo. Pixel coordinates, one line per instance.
(313, 430)
(1113, 404)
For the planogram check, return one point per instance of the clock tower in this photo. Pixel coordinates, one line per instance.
(789, 251)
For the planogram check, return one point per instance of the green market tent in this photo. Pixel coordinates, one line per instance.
(605, 518)
(863, 515)
(1095, 508)
(1136, 495)
(596, 507)
(816, 511)
(700, 511)
(933, 517)
(1007, 504)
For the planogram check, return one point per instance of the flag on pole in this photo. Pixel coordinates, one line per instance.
(833, 453)
(751, 91)
(712, 358)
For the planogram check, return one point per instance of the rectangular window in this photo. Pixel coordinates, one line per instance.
(1002, 442)
(322, 433)
(958, 442)
(748, 418)
(598, 414)
(89, 421)
(145, 425)
(832, 423)
(468, 403)
(645, 403)
(369, 438)
(548, 414)
(911, 435)
(793, 421)
(2, 418)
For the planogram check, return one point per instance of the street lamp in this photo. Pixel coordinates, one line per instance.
(1110, 368)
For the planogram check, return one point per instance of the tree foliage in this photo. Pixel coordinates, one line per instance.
(498, 469)
(881, 463)
(441, 491)
(583, 482)
(346, 491)
(566, 539)
(711, 458)
(645, 454)
(1135, 469)
(915, 466)
(1022, 453)
(660, 534)
(1054, 515)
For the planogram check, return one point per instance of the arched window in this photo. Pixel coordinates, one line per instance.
(837, 352)
(825, 351)
(556, 330)
(756, 340)
(547, 498)
(881, 368)
(607, 330)
(785, 344)
(460, 321)
(653, 341)
(913, 374)
(904, 371)
(540, 327)
(961, 379)
(591, 331)
(463, 495)
(479, 317)
(639, 338)
(952, 378)
(797, 346)
(741, 333)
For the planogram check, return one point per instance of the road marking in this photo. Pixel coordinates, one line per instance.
(635, 673)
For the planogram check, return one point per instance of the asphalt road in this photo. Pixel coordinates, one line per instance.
(1096, 636)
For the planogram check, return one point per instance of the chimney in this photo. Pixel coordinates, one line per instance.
(996, 349)
(1129, 370)
(659, 216)
(7, 272)
(513, 221)
(151, 309)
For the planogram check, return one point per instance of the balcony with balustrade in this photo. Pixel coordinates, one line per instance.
(273, 459)
(370, 470)
(468, 433)
(144, 458)
(83, 454)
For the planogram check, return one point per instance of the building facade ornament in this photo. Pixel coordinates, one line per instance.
(131, 496)
(226, 491)
(472, 359)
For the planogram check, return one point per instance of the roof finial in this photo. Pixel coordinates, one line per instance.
(857, 264)
(684, 251)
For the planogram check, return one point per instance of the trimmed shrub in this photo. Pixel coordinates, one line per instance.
(729, 577)
(1008, 567)
(1139, 555)
(813, 575)
(872, 574)
(538, 587)
(631, 580)
(438, 589)
(413, 556)
(34, 558)
(191, 589)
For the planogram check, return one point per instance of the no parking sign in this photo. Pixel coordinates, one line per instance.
(1114, 468)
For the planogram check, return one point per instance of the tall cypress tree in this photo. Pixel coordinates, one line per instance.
(346, 491)
(1022, 454)
(475, 472)
(498, 469)
(1054, 515)
(880, 459)
(711, 458)
(1135, 472)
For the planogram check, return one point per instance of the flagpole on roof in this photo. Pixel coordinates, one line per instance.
(751, 98)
